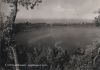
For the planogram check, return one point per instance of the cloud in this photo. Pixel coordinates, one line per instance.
(62, 9)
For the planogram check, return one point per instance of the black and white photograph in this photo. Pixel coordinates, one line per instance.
(49, 34)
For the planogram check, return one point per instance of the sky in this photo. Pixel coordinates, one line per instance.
(61, 9)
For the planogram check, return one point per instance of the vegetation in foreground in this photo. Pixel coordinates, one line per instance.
(57, 58)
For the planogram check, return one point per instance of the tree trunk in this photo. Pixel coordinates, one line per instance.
(9, 11)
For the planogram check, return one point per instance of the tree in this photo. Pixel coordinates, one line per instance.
(9, 8)
(97, 19)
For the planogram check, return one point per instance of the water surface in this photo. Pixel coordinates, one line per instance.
(66, 37)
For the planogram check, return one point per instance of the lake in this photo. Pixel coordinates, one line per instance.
(66, 37)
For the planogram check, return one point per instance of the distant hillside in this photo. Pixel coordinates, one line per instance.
(54, 20)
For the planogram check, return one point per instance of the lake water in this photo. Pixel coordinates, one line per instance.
(66, 37)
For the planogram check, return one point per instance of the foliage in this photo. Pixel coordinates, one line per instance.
(97, 21)
(54, 58)
(25, 3)
(7, 40)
